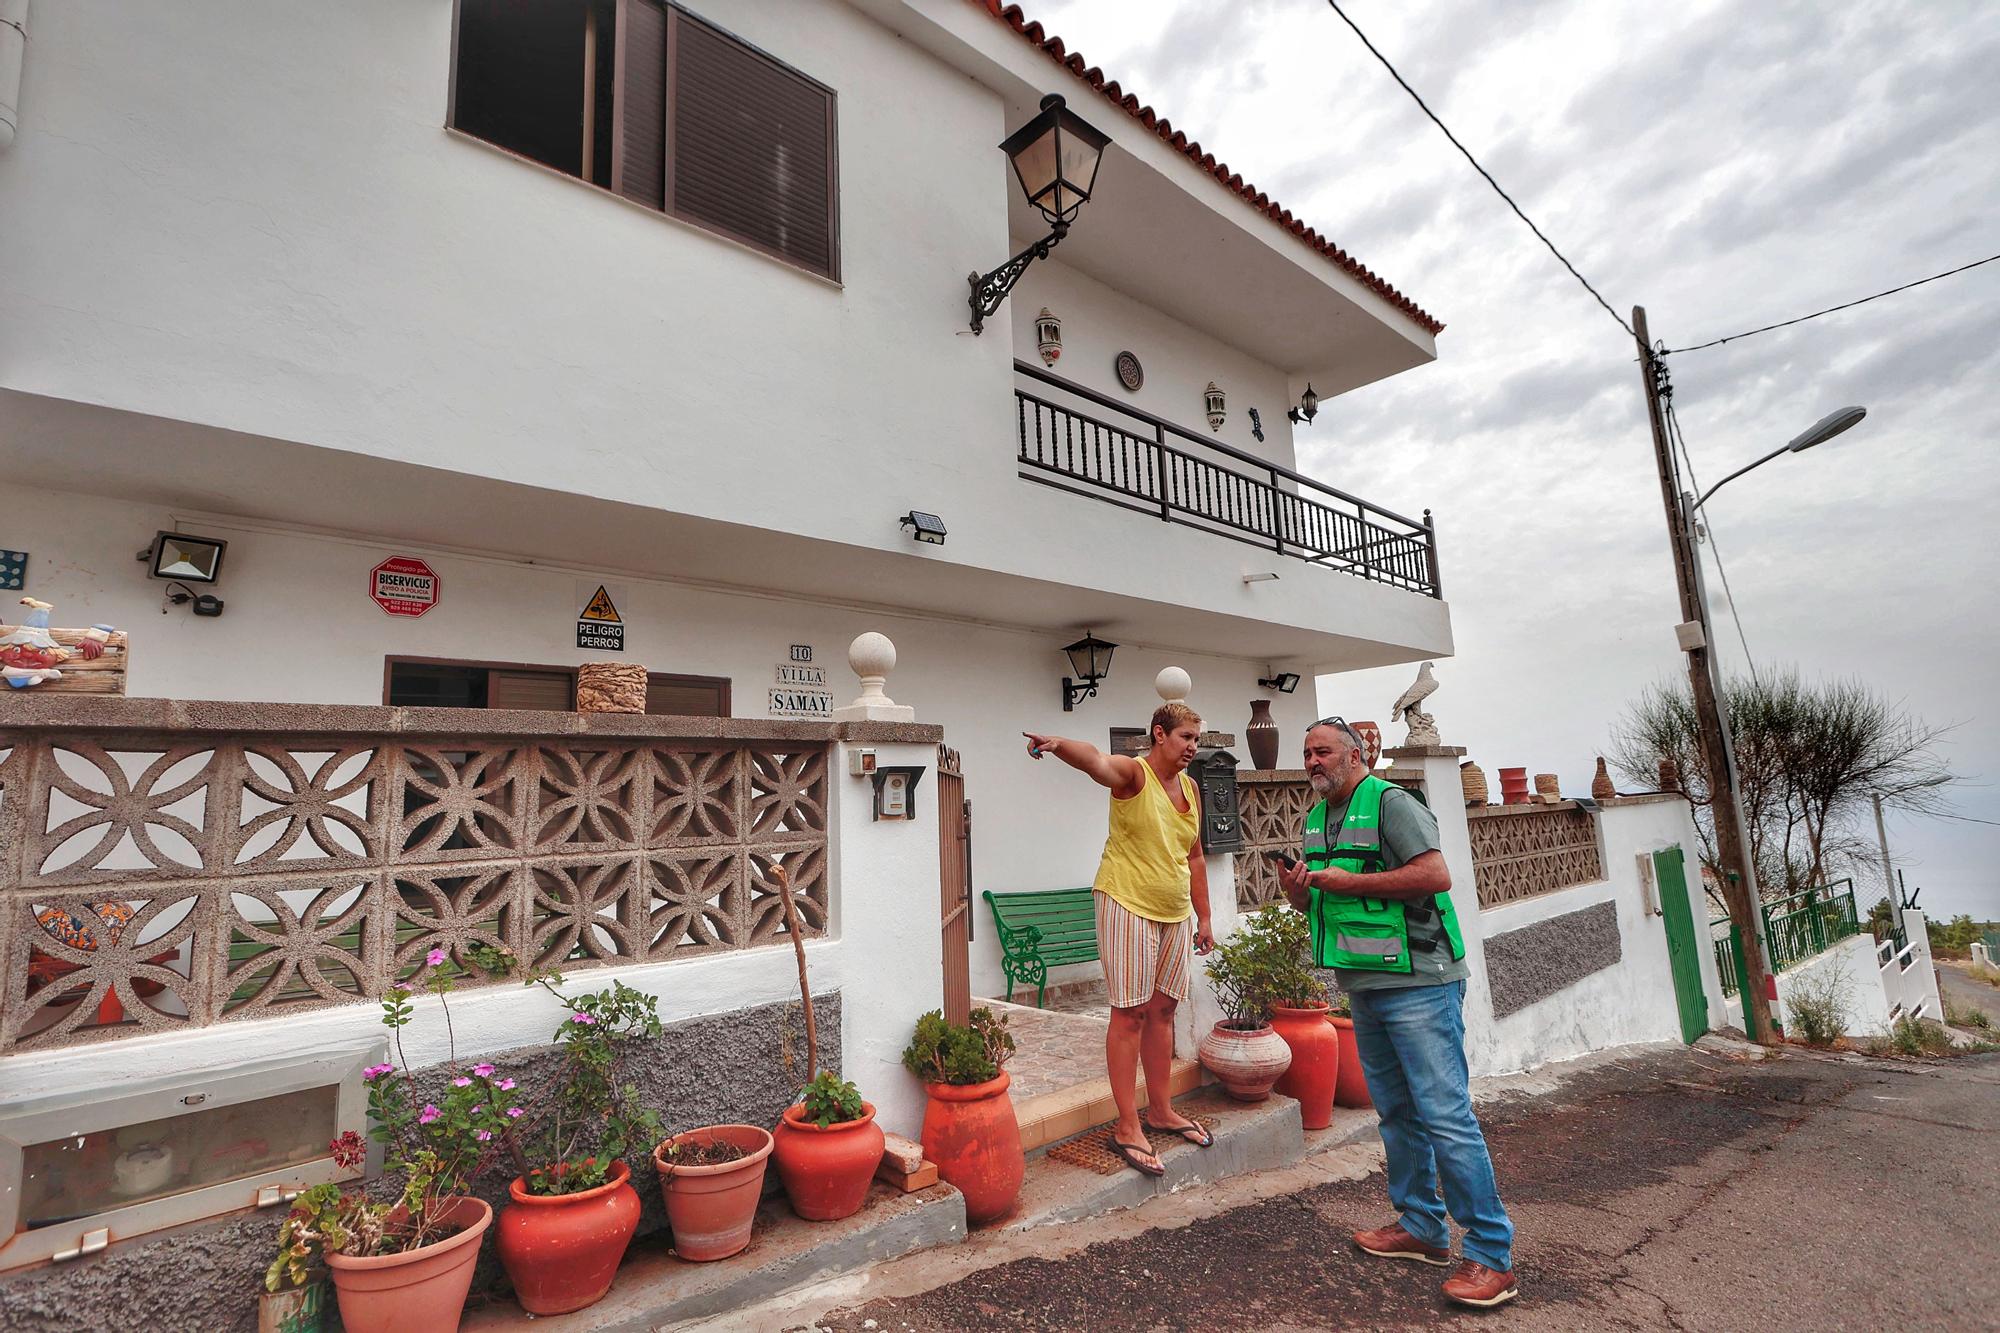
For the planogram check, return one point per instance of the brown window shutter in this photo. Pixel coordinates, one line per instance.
(639, 104)
(687, 696)
(752, 147)
(550, 690)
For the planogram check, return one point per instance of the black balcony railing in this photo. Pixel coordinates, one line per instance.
(1155, 467)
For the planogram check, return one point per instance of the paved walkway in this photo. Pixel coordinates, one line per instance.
(1967, 993)
(1675, 1190)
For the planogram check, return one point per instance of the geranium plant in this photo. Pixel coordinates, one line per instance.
(942, 1052)
(830, 1100)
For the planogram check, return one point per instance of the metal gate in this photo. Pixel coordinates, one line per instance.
(1683, 958)
(955, 885)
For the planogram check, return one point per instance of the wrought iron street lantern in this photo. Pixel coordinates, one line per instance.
(1055, 158)
(1307, 409)
(1090, 659)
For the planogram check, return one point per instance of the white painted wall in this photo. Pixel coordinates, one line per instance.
(298, 626)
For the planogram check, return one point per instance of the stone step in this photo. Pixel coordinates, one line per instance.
(1059, 1114)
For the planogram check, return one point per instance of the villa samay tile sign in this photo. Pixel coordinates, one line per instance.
(801, 689)
(403, 585)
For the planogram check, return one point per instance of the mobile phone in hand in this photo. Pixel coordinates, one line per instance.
(1282, 857)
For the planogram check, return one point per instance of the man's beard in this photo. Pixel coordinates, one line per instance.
(1321, 783)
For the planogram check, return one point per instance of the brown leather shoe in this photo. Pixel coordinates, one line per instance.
(1477, 1285)
(1392, 1242)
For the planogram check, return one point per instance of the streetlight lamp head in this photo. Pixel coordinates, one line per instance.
(1828, 426)
(1055, 157)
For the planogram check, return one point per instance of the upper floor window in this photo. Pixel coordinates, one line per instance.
(644, 99)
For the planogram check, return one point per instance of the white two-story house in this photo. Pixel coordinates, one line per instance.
(448, 322)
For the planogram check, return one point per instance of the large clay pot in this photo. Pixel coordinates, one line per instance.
(711, 1208)
(561, 1251)
(1315, 1067)
(1371, 741)
(826, 1172)
(1246, 1062)
(418, 1291)
(1351, 1088)
(1602, 788)
(1261, 735)
(1513, 786)
(971, 1134)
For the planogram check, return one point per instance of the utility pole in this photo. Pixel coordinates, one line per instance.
(1888, 875)
(1739, 885)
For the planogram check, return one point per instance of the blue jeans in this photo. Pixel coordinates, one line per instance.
(1412, 1044)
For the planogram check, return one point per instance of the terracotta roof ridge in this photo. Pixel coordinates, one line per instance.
(1053, 46)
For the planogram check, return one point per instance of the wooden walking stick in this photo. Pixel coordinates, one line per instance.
(799, 948)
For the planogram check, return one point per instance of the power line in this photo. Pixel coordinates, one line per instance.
(1335, 6)
(1970, 819)
(1694, 483)
(1846, 305)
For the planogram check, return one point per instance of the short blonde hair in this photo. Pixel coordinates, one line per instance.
(1173, 715)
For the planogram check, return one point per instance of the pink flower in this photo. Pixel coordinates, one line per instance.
(435, 957)
(515, 1113)
(461, 1082)
(484, 1135)
(585, 1019)
(428, 1114)
(505, 1085)
(373, 1072)
(482, 1071)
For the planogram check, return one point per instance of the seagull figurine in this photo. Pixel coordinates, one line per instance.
(1408, 703)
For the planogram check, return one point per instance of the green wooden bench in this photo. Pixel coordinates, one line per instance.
(1040, 930)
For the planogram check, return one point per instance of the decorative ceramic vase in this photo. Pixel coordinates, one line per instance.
(294, 1309)
(417, 1290)
(561, 1251)
(1513, 786)
(1602, 788)
(1670, 775)
(971, 1134)
(1371, 741)
(1261, 735)
(1472, 781)
(1352, 1087)
(711, 1208)
(1247, 1062)
(1315, 1067)
(1548, 786)
(827, 1170)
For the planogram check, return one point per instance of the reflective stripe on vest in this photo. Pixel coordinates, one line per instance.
(1379, 948)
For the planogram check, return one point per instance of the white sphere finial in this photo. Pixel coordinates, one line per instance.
(1173, 684)
(873, 657)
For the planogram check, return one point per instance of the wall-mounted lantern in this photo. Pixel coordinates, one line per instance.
(1212, 399)
(1055, 159)
(1090, 659)
(1048, 336)
(1307, 409)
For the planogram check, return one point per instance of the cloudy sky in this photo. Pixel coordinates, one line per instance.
(1725, 165)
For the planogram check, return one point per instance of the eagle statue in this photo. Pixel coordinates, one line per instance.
(1408, 706)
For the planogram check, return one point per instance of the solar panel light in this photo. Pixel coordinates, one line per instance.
(925, 527)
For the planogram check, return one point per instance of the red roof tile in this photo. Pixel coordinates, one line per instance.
(1034, 33)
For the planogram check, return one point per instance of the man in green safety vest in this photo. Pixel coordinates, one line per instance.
(1377, 892)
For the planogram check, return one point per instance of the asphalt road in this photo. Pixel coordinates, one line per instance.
(1966, 993)
(1680, 1190)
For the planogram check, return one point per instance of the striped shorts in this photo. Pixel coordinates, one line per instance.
(1141, 956)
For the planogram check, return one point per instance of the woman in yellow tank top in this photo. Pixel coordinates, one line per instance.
(1152, 908)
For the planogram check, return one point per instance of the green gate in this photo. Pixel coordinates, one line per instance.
(1683, 947)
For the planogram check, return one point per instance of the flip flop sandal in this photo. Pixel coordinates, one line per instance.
(1130, 1151)
(1190, 1133)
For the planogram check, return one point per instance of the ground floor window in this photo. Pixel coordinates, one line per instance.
(426, 682)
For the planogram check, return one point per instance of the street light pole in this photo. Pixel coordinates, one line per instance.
(1739, 885)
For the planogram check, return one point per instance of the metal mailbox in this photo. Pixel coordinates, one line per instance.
(1214, 773)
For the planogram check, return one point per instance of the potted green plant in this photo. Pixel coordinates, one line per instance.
(826, 1149)
(406, 1263)
(574, 1209)
(1242, 1050)
(1298, 1011)
(969, 1127)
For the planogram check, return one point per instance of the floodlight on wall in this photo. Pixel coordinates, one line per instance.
(178, 555)
(1284, 682)
(927, 528)
(1090, 659)
(1055, 159)
(1307, 409)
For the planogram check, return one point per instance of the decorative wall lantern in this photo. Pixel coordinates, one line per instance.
(1055, 158)
(1307, 409)
(1048, 336)
(176, 555)
(1212, 399)
(1090, 659)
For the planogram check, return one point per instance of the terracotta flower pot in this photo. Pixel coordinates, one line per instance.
(972, 1136)
(826, 1172)
(418, 1291)
(1513, 786)
(1247, 1062)
(711, 1208)
(561, 1251)
(1315, 1067)
(1261, 735)
(1351, 1088)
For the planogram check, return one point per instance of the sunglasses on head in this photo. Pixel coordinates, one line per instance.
(1360, 746)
